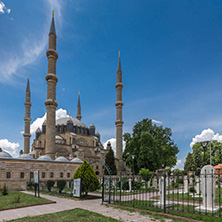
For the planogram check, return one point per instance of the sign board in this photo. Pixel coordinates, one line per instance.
(36, 176)
(77, 187)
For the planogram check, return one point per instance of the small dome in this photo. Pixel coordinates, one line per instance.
(25, 157)
(32, 153)
(45, 158)
(61, 159)
(76, 160)
(58, 137)
(4, 154)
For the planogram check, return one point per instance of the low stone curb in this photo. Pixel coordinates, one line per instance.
(31, 205)
(155, 213)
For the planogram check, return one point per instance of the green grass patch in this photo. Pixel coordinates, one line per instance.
(11, 200)
(77, 214)
(183, 196)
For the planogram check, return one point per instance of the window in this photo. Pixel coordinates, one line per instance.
(31, 175)
(61, 175)
(97, 167)
(22, 175)
(8, 175)
(51, 175)
(68, 175)
(43, 174)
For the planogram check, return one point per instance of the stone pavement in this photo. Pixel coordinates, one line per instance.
(67, 204)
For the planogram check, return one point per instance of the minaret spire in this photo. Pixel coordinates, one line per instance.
(27, 118)
(51, 102)
(119, 121)
(78, 116)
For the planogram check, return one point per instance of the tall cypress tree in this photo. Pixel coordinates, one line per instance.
(110, 162)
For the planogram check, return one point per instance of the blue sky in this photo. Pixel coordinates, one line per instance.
(171, 53)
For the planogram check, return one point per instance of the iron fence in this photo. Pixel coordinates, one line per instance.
(191, 194)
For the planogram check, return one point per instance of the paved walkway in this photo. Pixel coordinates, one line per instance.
(67, 204)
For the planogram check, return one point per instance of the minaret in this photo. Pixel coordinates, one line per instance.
(78, 116)
(50, 102)
(119, 121)
(27, 118)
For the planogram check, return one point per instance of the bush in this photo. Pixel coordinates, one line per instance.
(17, 199)
(192, 190)
(179, 180)
(50, 184)
(176, 185)
(89, 180)
(61, 185)
(125, 183)
(30, 186)
(146, 174)
(4, 190)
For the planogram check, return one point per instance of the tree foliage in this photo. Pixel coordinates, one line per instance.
(195, 160)
(61, 185)
(110, 162)
(146, 174)
(152, 146)
(89, 180)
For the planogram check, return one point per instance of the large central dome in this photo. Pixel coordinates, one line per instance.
(76, 122)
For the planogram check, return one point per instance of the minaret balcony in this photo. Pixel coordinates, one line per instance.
(119, 122)
(119, 103)
(119, 85)
(51, 76)
(52, 52)
(52, 102)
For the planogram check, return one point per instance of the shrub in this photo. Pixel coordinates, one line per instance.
(146, 174)
(4, 190)
(30, 186)
(125, 183)
(192, 190)
(176, 185)
(89, 180)
(61, 185)
(179, 180)
(50, 184)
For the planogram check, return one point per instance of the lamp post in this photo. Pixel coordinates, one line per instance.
(133, 157)
(204, 145)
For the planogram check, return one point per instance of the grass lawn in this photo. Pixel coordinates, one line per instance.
(185, 196)
(77, 214)
(9, 201)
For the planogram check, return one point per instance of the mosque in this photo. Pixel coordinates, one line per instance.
(61, 145)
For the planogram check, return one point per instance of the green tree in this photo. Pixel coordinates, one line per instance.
(146, 174)
(110, 162)
(152, 146)
(189, 164)
(61, 185)
(89, 180)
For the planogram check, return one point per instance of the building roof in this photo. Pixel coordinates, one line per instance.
(25, 156)
(61, 159)
(76, 122)
(76, 160)
(4, 154)
(45, 158)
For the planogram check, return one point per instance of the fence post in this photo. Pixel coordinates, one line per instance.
(164, 193)
(109, 189)
(120, 187)
(103, 190)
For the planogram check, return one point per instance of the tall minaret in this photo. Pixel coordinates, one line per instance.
(119, 121)
(78, 116)
(27, 118)
(50, 102)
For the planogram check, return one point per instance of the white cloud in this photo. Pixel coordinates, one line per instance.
(60, 113)
(206, 135)
(3, 8)
(156, 121)
(179, 165)
(31, 48)
(113, 144)
(10, 147)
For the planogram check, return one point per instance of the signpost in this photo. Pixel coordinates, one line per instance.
(77, 187)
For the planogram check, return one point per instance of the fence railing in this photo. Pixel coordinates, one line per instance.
(181, 193)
